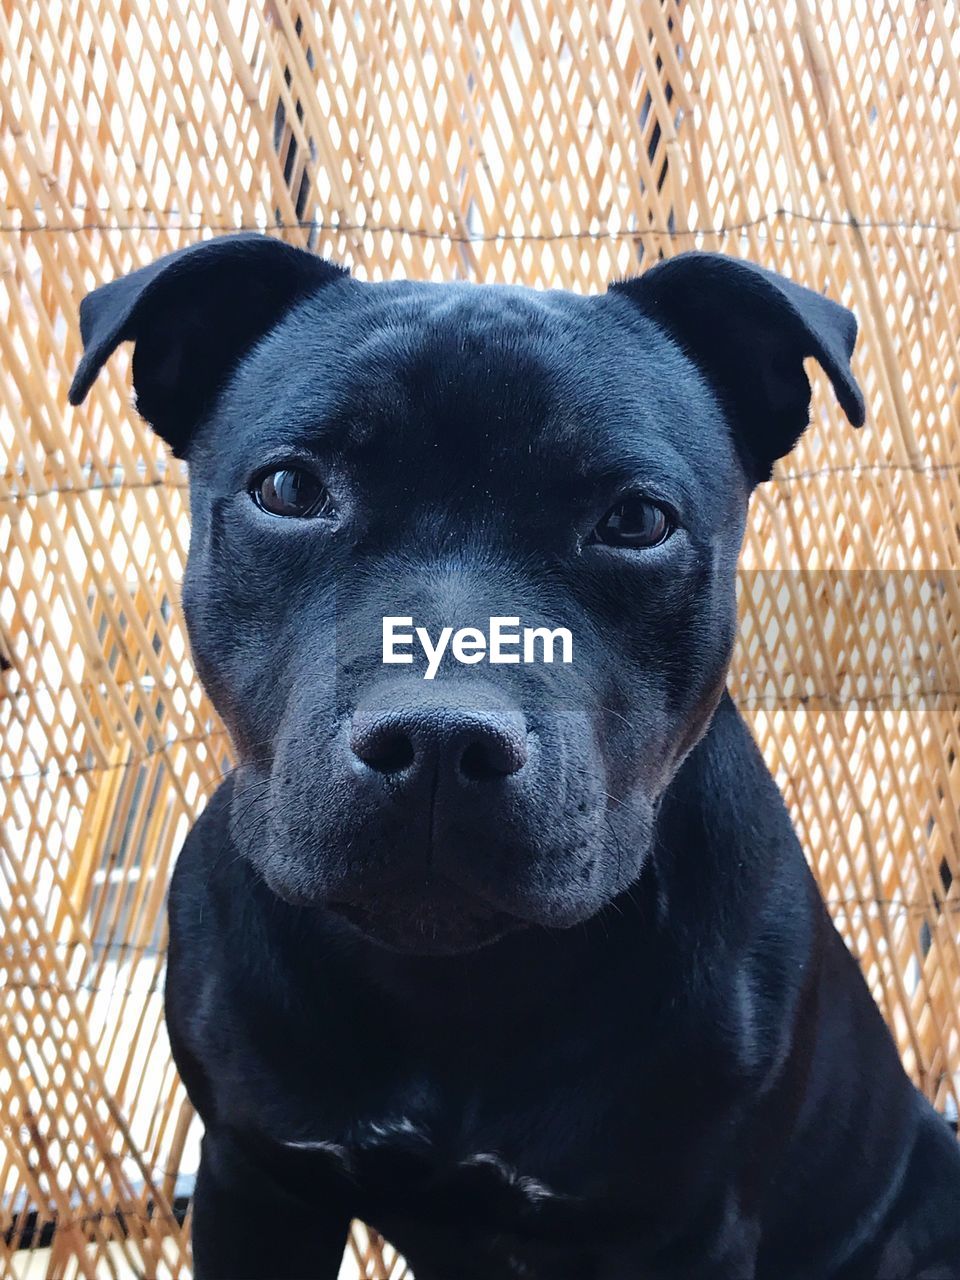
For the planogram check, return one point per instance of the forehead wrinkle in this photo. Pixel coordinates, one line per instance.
(402, 325)
(450, 375)
(333, 370)
(342, 404)
(660, 469)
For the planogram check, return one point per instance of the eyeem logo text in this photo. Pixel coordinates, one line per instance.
(504, 642)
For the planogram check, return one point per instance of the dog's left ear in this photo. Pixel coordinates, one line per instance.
(749, 330)
(191, 316)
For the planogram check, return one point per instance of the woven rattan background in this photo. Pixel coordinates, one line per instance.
(554, 142)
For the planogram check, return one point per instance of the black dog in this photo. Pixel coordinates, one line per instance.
(522, 965)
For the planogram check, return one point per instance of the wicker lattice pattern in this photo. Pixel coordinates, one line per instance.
(552, 142)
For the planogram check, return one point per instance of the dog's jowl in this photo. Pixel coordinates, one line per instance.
(522, 964)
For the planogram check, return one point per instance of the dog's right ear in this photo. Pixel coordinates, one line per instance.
(191, 316)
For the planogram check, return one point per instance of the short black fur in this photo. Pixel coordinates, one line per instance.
(550, 992)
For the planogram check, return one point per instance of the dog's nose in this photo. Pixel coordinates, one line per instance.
(473, 743)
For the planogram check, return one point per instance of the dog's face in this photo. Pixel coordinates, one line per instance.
(452, 454)
(467, 453)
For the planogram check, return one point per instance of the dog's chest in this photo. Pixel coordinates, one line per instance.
(402, 1160)
(449, 1208)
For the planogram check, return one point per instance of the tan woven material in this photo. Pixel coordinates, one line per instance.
(551, 142)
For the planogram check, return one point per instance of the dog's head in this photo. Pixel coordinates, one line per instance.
(452, 454)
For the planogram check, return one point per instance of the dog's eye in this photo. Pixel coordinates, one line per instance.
(635, 523)
(292, 492)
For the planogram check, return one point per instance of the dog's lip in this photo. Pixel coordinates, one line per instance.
(429, 914)
(433, 888)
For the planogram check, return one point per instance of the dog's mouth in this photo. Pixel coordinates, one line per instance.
(437, 919)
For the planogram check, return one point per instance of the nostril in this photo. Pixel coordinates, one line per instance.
(493, 756)
(394, 753)
(418, 737)
(387, 751)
